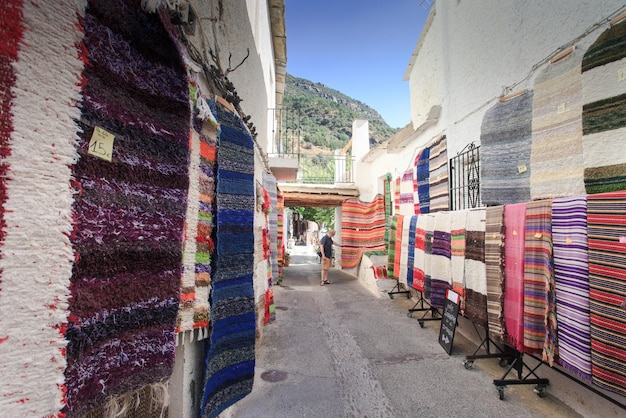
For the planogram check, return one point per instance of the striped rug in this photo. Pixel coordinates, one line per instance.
(416, 198)
(396, 194)
(475, 269)
(269, 183)
(130, 210)
(540, 328)
(362, 229)
(604, 112)
(505, 139)
(428, 253)
(391, 247)
(441, 267)
(280, 233)
(230, 357)
(388, 206)
(556, 158)
(407, 205)
(411, 251)
(420, 253)
(40, 77)
(514, 236)
(438, 176)
(423, 181)
(399, 245)
(606, 219)
(494, 264)
(571, 275)
(458, 224)
(404, 250)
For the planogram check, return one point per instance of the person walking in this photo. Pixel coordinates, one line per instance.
(326, 248)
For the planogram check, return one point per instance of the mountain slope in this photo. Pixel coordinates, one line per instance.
(326, 115)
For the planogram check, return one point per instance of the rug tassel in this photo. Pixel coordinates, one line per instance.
(151, 6)
(157, 395)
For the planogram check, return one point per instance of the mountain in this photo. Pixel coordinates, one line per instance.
(326, 115)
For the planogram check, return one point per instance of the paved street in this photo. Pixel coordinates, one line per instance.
(338, 351)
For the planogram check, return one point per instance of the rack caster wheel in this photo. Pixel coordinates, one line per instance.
(500, 392)
(468, 364)
(410, 314)
(540, 390)
(421, 324)
(408, 295)
(503, 362)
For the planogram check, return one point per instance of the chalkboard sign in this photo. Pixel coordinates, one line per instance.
(448, 322)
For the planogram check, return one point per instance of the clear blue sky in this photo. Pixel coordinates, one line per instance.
(359, 47)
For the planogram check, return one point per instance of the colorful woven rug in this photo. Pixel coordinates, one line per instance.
(571, 275)
(404, 250)
(604, 112)
(416, 198)
(391, 246)
(198, 245)
(398, 252)
(441, 267)
(363, 229)
(438, 176)
(130, 209)
(269, 183)
(428, 253)
(423, 182)
(380, 272)
(280, 233)
(230, 357)
(411, 251)
(475, 268)
(540, 327)
(514, 237)
(505, 151)
(494, 264)
(40, 78)
(458, 223)
(606, 220)
(556, 158)
(388, 206)
(396, 194)
(407, 205)
(420, 253)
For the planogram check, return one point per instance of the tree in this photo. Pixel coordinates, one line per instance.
(324, 217)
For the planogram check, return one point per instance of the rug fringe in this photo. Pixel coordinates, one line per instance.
(157, 395)
(151, 6)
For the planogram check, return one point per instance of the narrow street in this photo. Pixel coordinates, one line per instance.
(339, 351)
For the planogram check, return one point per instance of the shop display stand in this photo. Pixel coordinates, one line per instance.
(504, 355)
(399, 289)
(530, 378)
(435, 314)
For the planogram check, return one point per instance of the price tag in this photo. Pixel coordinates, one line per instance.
(622, 240)
(569, 240)
(522, 168)
(101, 144)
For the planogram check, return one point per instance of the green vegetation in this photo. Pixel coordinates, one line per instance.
(326, 115)
(324, 217)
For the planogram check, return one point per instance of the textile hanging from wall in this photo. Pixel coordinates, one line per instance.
(423, 180)
(130, 210)
(396, 194)
(556, 158)
(571, 275)
(362, 229)
(429, 230)
(388, 205)
(604, 112)
(606, 219)
(380, 272)
(458, 224)
(505, 149)
(441, 268)
(494, 265)
(269, 182)
(475, 268)
(407, 205)
(404, 250)
(416, 198)
(540, 327)
(230, 356)
(398, 252)
(198, 246)
(438, 176)
(280, 234)
(391, 246)
(419, 260)
(514, 236)
(411, 251)
(40, 83)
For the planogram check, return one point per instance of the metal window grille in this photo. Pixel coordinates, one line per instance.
(465, 179)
